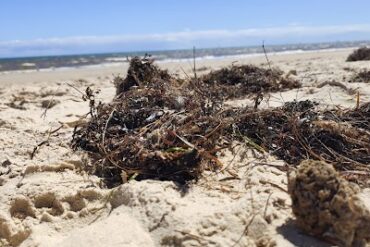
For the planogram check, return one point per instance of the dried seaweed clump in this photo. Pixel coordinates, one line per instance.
(360, 54)
(326, 205)
(49, 103)
(159, 127)
(153, 130)
(238, 81)
(298, 131)
(18, 102)
(141, 72)
(359, 118)
(362, 76)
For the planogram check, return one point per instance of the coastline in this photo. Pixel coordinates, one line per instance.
(119, 61)
(175, 66)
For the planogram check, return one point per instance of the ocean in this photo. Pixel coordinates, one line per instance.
(65, 61)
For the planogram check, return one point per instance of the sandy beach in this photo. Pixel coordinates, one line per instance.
(49, 200)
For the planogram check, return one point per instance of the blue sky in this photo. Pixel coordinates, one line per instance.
(47, 27)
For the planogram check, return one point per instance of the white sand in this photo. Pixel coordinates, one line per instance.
(50, 201)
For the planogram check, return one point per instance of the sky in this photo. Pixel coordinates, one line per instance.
(48, 27)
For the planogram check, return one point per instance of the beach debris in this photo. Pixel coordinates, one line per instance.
(358, 118)
(18, 102)
(53, 93)
(298, 131)
(360, 54)
(49, 103)
(162, 127)
(45, 142)
(333, 83)
(140, 73)
(202, 69)
(22, 98)
(292, 72)
(151, 129)
(362, 76)
(241, 80)
(327, 205)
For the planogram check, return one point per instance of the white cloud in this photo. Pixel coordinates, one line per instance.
(175, 39)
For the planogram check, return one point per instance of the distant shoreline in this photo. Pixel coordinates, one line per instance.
(180, 60)
(50, 63)
(61, 62)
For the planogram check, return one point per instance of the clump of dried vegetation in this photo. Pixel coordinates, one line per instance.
(18, 102)
(360, 54)
(298, 131)
(49, 103)
(238, 81)
(333, 83)
(362, 76)
(162, 127)
(153, 128)
(23, 98)
(141, 73)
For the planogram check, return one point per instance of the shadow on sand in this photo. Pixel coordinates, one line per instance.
(297, 238)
